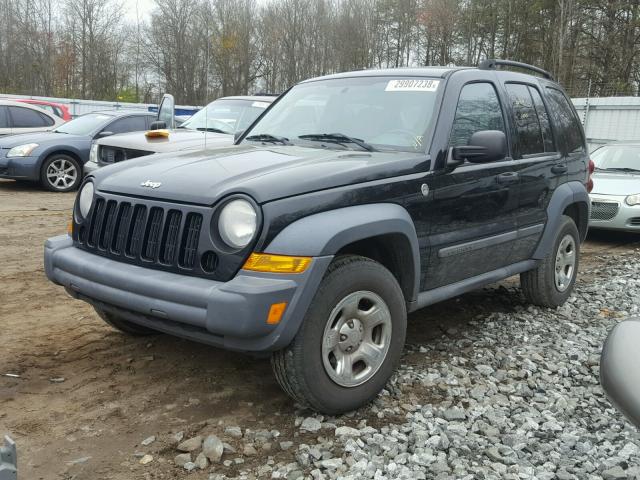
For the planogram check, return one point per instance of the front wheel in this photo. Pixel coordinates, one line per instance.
(350, 341)
(552, 282)
(60, 173)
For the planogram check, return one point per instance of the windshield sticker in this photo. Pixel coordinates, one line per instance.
(421, 85)
(260, 104)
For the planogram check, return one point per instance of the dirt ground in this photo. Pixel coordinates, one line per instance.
(86, 395)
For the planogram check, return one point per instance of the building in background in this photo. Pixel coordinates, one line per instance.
(609, 119)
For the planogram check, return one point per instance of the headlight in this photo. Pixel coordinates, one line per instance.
(22, 150)
(633, 199)
(237, 223)
(85, 199)
(93, 154)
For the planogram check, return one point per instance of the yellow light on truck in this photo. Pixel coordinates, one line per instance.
(70, 228)
(264, 262)
(162, 133)
(275, 313)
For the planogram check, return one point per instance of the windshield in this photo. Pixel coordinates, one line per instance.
(618, 157)
(84, 125)
(381, 113)
(226, 116)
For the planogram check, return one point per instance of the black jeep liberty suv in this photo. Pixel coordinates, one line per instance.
(354, 199)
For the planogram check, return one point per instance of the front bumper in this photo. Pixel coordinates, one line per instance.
(230, 314)
(20, 168)
(90, 167)
(612, 213)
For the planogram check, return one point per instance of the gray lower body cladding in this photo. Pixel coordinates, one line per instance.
(231, 315)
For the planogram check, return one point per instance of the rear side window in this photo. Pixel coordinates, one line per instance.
(128, 124)
(4, 121)
(566, 120)
(531, 120)
(27, 118)
(478, 109)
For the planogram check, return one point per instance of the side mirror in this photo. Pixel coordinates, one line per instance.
(166, 111)
(484, 146)
(158, 125)
(620, 368)
(237, 135)
(104, 134)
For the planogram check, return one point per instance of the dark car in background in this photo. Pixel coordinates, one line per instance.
(213, 126)
(55, 158)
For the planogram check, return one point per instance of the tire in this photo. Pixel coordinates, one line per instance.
(308, 369)
(124, 325)
(60, 173)
(541, 286)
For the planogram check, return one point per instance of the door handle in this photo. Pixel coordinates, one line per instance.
(508, 177)
(559, 168)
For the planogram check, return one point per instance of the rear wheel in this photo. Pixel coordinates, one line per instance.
(60, 173)
(552, 282)
(124, 325)
(350, 341)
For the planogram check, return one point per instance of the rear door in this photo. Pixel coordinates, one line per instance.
(539, 163)
(473, 210)
(26, 120)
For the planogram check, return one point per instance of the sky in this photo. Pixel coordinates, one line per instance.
(144, 8)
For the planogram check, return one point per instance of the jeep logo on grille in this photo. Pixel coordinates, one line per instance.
(150, 184)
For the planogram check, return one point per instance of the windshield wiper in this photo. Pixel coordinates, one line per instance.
(267, 137)
(621, 169)
(210, 129)
(340, 138)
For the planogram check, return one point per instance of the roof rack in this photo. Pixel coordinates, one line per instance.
(493, 64)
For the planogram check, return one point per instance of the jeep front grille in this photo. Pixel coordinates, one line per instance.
(158, 235)
(603, 210)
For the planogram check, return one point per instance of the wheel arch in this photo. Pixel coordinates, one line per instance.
(571, 199)
(383, 232)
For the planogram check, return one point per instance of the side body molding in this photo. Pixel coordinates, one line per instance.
(566, 194)
(325, 233)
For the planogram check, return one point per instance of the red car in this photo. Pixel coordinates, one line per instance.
(57, 109)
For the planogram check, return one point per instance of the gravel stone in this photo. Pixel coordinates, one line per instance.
(201, 461)
(181, 459)
(234, 432)
(310, 424)
(212, 448)
(148, 441)
(191, 444)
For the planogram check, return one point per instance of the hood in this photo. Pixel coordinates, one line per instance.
(264, 173)
(179, 139)
(616, 183)
(41, 138)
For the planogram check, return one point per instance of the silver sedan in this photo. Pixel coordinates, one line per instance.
(615, 198)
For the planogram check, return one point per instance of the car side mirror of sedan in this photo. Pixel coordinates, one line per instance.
(158, 125)
(483, 146)
(104, 134)
(620, 368)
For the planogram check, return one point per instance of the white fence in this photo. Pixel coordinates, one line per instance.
(80, 107)
(609, 119)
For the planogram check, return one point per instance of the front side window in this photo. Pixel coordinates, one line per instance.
(4, 121)
(566, 120)
(85, 125)
(26, 118)
(127, 124)
(478, 109)
(382, 113)
(226, 116)
(617, 158)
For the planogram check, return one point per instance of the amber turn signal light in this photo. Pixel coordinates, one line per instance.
(157, 133)
(275, 313)
(70, 228)
(264, 262)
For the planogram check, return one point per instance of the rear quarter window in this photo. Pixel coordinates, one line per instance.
(566, 121)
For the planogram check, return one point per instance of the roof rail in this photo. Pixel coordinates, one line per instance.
(493, 64)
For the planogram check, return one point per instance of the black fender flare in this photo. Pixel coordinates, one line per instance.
(324, 234)
(566, 194)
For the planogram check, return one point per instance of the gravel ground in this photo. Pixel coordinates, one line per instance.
(517, 395)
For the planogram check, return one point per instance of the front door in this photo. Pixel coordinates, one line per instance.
(473, 225)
